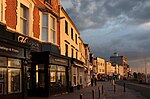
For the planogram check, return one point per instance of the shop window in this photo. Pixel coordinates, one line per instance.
(14, 80)
(57, 76)
(3, 61)
(14, 62)
(3, 77)
(10, 75)
(66, 27)
(48, 28)
(24, 12)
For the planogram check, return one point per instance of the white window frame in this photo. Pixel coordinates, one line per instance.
(49, 28)
(26, 19)
(29, 4)
(2, 11)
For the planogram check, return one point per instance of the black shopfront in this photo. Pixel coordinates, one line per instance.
(13, 62)
(49, 71)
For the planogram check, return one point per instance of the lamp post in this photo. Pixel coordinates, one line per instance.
(145, 71)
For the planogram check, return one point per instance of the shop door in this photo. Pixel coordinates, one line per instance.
(40, 80)
(39, 86)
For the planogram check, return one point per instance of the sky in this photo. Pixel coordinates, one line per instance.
(110, 26)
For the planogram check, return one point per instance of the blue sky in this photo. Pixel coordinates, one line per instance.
(110, 26)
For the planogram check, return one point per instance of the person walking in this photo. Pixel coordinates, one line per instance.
(92, 81)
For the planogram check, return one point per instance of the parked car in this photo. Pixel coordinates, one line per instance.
(101, 77)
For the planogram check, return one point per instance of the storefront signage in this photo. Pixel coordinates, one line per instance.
(77, 64)
(9, 49)
(59, 61)
(22, 39)
(33, 43)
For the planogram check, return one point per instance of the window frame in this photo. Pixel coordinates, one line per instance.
(52, 28)
(72, 34)
(24, 18)
(66, 49)
(66, 27)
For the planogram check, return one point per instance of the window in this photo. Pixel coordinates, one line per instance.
(72, 34)
(66, 50)
(57, 76)
(48, 28)
(66, 27)
(24, 19)
(45, 27)
(76, 55)
(14, 75)
(14, 80)
(49, 1)
(1, 10)
(52, 30)
(76, 39)
(10, 75)
(72, 53)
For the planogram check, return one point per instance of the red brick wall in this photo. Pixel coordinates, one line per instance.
(36, 21)
(11, 14)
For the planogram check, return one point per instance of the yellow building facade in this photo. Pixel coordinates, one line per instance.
(71, 46)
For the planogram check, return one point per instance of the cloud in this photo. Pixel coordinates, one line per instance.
(113, 25)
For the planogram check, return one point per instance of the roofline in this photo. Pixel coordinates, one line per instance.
(66, 15)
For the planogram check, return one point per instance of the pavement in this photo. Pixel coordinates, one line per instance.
(108, 93)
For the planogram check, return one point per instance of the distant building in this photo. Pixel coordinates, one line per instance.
(108, 68)
(100, 65)
(120, 60)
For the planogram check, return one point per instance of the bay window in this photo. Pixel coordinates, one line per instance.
(48, 28)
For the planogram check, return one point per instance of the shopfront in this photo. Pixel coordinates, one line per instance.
(77, 72)
(13, 62)
(49, 72)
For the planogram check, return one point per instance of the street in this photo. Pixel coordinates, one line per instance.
(143, 89)
(108, 93)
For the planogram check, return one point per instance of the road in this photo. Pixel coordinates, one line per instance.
(143, 89)
(108, 93)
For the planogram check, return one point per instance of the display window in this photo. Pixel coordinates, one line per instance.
(10, 75)
(57, 76)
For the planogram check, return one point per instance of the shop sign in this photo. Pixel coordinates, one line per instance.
(77, 64)
(26, 40)
(9, 50)
(59, 61)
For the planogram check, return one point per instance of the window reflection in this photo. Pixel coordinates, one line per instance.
(14, 62)
(57, 76)
(14, 80)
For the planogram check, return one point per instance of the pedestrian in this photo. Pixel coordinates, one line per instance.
(92, 81)
(95, 81)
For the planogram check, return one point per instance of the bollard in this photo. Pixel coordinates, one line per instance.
(81, 96)
(102, 89)
(93, 94)
(99, 92)
(124, 87)
(114, 88)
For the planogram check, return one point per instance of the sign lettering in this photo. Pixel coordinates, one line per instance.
(22, 39)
